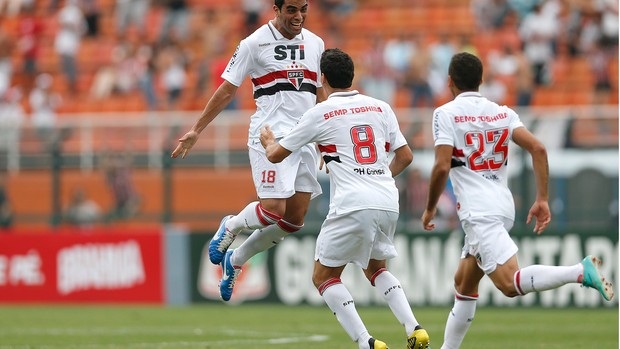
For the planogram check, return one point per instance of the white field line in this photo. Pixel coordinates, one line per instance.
(273, 338)
(179, 344)
(122, 331)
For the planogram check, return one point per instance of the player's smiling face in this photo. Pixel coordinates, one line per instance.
(290, 19)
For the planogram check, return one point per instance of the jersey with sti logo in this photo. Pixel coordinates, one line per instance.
(480, 131)
(354, 134)
(285, 76)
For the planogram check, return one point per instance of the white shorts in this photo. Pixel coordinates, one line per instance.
(487, 239)
(296, 173)
(356, 237)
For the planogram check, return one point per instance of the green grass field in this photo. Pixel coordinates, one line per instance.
(218, 326)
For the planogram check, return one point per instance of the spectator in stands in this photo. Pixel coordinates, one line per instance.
(490, 14)
(252, 10)
(416, 78)
(336, 12)
(493, 88)
(397, 54)
(43, 104)
(538, 32)
(117, 168)
(609, 22)
(12, 116)
(176, 20)
(6, 212)
(7, 45)
(81, 211)
(31, 28)
(68, 38)
(524, 80)
(131, 12)
(503, 63)
(92, 12)
(147, 57)
(13, 7)
(441, 53)
(121, 75)
(600, 60)
(376, 80)
(172, 66)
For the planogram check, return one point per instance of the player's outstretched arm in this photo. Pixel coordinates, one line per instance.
(220, 99)
(540, 209)
(274, 151)
(439, 178)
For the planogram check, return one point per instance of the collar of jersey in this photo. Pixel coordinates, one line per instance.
(279, 35)
(343, 94)
(469, 94)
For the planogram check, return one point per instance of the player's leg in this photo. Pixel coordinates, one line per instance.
(381, 227)
(253, 216)
(513, 281)
(344, 239)
(466, 280)
(340, 302)
(390, 288)
(499, 261)
(263, 239)
(293, 179)
(273, 186)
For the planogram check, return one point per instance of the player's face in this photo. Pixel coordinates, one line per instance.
(290, 19)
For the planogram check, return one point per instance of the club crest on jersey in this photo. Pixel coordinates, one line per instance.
(295, 77)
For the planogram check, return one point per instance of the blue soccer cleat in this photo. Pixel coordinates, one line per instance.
(229, 276)
(220, 242)
(592, 277)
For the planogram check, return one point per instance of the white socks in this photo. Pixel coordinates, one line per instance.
(340, 301)
(252, 217)
(459, 319)
(536, 278)
(262, 239)
(389, 287)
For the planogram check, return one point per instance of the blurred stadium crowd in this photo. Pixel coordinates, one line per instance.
(70, 56)
(72, 59)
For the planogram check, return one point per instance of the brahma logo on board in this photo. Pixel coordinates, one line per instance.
(100, 266)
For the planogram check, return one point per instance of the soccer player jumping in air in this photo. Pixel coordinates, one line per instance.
(282, 58)
(355, 134)
(471, 136)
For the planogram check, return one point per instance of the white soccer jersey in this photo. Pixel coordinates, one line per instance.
(354, 133)
(285, 76)
(480, 131)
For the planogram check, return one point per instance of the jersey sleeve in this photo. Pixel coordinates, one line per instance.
(395, 136)
(443, 129)
(515, 121)
(239, 65)
(304, 132)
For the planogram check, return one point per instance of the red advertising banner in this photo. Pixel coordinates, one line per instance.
(98, 266)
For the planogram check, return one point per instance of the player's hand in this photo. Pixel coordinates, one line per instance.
(185, 144)
(427, 217)
(266, 136)
(540, 211)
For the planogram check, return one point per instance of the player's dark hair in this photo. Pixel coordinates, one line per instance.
(278, 3)
(338, 68)
(466, 71)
